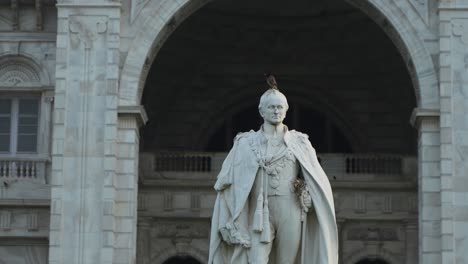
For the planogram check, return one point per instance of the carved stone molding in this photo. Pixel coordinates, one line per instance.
(14, 74)
(137, 6)
(135, 111)
(460, 29)
(22, 71)
(420, 114)
(421, 7)
(87, 28)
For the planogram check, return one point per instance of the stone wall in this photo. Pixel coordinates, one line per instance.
(27, 55)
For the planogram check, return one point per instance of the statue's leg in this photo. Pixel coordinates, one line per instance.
(259, 251)
(288, 230)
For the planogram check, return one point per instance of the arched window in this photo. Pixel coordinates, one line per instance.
(23, 115)
(181, 260)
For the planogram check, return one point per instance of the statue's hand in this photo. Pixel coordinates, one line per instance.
(306, 201)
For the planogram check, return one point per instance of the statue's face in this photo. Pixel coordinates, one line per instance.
(274, 110)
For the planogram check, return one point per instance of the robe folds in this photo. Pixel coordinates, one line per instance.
(231, 215)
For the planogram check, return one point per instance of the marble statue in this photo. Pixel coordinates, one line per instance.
(274, 202)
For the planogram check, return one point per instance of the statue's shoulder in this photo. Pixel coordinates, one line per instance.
(241, 136)
(300, 138)
(299, 135)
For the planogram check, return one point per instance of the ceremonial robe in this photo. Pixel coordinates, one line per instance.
(231, 217)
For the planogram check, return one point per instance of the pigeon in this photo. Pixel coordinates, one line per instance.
(271, 81)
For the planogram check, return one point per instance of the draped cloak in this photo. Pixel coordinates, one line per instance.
(231, 213)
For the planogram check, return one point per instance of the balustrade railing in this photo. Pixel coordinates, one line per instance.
(183, 162)
(19, 169)
(337, 166)
(376, 164)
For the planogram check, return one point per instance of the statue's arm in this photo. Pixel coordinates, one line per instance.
(306, 197)
(224, 179)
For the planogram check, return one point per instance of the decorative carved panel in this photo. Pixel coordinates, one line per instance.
(5, 220)
(372, 234)
(387, 204)
(360, 203)
(87, 28)
(15, 73)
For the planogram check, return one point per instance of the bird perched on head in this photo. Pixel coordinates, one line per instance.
(271, 81)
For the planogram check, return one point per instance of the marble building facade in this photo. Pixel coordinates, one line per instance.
(115, 116)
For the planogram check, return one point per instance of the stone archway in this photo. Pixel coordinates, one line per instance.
(157, 21)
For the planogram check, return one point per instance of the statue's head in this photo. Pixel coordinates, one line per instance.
(273, 106)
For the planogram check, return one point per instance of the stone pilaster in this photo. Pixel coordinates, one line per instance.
(429, 184)
(126, 183)
(84, 215)
(453, 43)
(411, 242)
(340, 223)
(144, 241)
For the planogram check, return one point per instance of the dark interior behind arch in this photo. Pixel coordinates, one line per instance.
(318, 49)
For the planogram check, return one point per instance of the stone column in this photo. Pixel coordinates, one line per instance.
(427, 122)
(84, 197)
(453, 44)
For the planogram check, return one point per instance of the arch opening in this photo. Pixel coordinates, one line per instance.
(207, 76)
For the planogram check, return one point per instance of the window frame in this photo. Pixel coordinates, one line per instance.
(14, 122)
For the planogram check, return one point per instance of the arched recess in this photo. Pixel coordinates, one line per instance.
(364, 253)
(187, 251)
(159, 19)
(22, 71)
